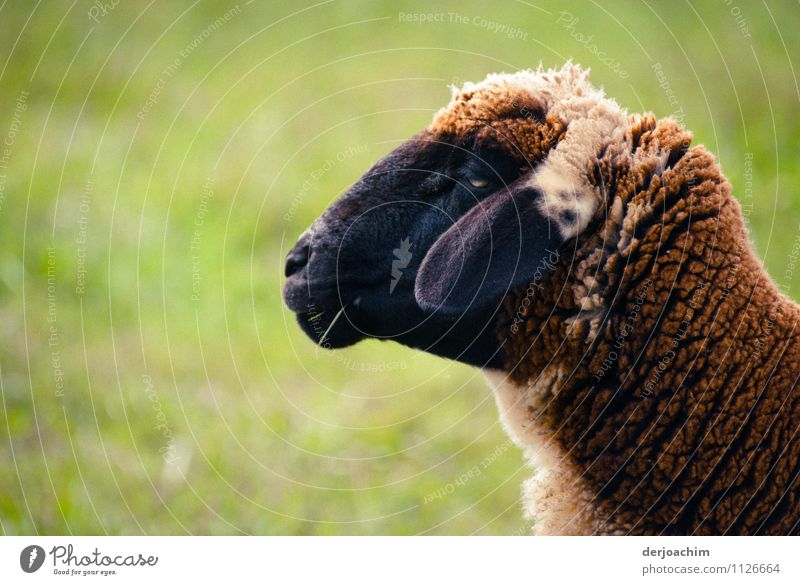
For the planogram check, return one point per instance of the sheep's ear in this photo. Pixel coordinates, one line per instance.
(494, 248)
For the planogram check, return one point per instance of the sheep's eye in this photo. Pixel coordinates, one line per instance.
(478, 182)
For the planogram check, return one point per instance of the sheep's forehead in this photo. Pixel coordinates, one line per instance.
(497, 99)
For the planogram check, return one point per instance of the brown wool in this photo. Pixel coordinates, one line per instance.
(652, 379)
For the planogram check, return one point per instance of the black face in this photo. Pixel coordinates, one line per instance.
(396, 257)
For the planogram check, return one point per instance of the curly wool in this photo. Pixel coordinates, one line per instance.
(673, 396)
(651, 375)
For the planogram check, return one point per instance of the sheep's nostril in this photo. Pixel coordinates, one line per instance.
(297, 258)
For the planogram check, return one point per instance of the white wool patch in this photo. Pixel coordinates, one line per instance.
(555, 498)
(593, 121)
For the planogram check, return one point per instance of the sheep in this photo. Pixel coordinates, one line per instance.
(595, 264)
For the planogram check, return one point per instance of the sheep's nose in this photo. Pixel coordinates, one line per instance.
(297, 258)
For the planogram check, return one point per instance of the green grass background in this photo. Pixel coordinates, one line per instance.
(215, 414)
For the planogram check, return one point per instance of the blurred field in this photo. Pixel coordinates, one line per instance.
(158, 160)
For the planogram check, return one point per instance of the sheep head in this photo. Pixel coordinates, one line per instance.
(426, 245)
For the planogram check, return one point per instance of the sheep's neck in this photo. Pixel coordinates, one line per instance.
(666, 357)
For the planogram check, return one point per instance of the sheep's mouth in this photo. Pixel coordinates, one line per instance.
(328, 328)
(324, 316)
